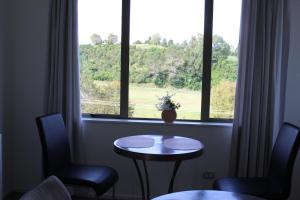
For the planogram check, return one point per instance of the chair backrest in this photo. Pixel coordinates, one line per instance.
(283, 157)
(55, 143)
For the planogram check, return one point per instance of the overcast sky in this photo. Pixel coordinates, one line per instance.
(172, 19)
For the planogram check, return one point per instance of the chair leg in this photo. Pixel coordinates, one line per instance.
(113, 192)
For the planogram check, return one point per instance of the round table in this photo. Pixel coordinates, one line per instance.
(206, 195)
(157, 148)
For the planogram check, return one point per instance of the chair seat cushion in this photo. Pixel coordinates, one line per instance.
(261, 187)
(100, 178)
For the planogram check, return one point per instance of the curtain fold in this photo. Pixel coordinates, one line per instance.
(263, 57)
(64, 83)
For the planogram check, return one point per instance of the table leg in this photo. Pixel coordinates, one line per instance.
(176, 166)
(140, 178)
(147, 180)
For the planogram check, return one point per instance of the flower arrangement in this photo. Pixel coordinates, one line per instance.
(166, 103)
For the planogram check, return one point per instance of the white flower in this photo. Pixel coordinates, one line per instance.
(166, 103)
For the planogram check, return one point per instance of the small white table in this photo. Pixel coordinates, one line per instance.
(206, 195)
(157, 148)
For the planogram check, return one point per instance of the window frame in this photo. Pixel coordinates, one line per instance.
(206, 71)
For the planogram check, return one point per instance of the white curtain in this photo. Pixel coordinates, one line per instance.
(263, 57)
(64, 83)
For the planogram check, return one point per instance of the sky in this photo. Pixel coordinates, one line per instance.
(172, 19)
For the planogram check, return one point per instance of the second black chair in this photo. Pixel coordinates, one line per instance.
(57, 159)
(277, 184)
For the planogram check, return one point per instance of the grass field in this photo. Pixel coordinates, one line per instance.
(145, 97)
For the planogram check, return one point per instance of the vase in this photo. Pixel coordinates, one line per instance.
(168, 115)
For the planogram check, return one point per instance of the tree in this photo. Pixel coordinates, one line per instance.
(112, 38)
(184, 44)
(176, 65)
(170, 42)
(193, 42)
(96, 39)
(155, 39)
(148, 40)
(164, 42)
(221, 49)
(137, 42)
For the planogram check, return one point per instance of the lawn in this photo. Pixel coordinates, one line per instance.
(145, 97)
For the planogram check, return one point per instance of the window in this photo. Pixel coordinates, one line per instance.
(134, 51)
(100, 51)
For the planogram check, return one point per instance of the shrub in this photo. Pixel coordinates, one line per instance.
(222, 100)
(161, 78)
(178, 81)
(101, 97)
(104, 76)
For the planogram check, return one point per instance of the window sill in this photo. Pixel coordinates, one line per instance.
(155, 122)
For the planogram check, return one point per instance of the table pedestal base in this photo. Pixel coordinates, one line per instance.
(147, 195)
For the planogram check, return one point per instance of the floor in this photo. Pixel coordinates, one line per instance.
(13, 196)
(16, 196)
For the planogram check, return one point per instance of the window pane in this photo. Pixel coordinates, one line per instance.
(224, 57)
(99, 39)
(166, 45)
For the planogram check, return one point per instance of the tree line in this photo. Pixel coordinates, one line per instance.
(158, 61)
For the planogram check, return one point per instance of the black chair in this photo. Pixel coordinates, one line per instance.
(277, 184)
(57, 159)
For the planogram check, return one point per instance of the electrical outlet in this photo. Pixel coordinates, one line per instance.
(208, 175)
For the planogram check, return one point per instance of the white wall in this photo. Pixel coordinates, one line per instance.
(1, 62)
(99, 139)
(26, 47)
(1, 86)
(292, 110)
